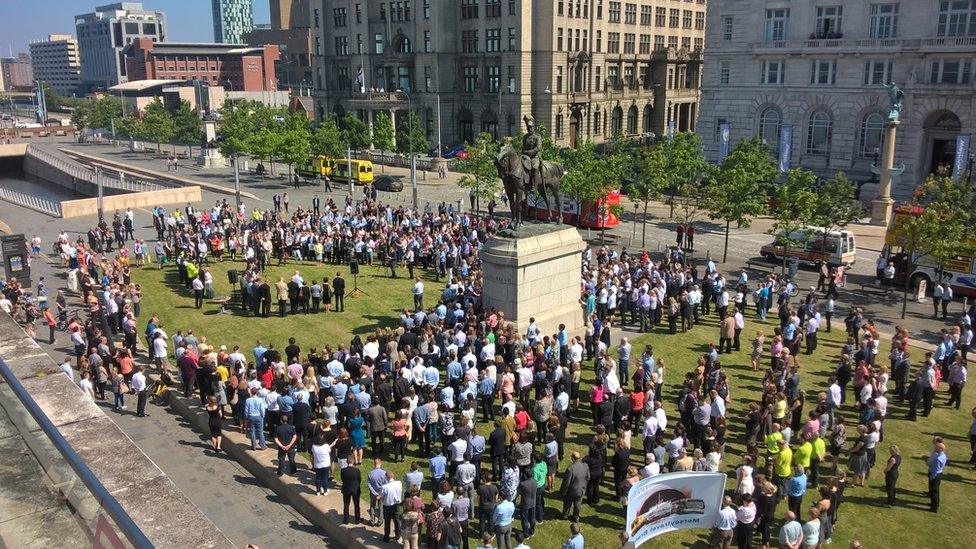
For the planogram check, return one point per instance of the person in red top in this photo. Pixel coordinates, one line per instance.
(521, 419)
(636, 406)
(51, 323)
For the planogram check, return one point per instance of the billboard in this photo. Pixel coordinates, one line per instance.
(673, 501)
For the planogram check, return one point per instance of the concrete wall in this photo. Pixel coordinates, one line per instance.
(89, 206)
(164, 514)
(13, 149)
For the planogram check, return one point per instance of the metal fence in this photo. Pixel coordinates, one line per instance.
(107, 504)
(33, 202)
(111, 181)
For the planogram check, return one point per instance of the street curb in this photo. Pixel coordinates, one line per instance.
(323, 511)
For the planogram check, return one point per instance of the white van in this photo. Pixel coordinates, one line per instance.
(839, 248)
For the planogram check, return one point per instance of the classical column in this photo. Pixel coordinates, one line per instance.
(393, 122)
(881, 206)
(369, 124)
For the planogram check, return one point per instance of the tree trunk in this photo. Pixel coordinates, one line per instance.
(725, 252)
(644, 227)
(908, 286)
(786, 249)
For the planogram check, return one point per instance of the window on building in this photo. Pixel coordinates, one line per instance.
(132, 28)
(629, 77)
(647, 13)
(699, 44)
(560, 7)
(660, 16)
(403, 45)
(950, 71)
(686, 19)
(559, 126)
(493, 40)
(777, 24)
(877, 72)
(359, 15)
(378, 43)
(727, 27)
(383, 11)
(469, 41)
(673, 42)
(613, 13)
(872, 130)
(494, 79)
(597, 79)
(585, 36)
(699, 20)
(613, 42)
(318, 46)
(404, 79)
(469, 9)
(686, 42)
(645, 44)
(629, 41)
(719, 122)
(512, 10)
(819, 133)
(617, 121)
(773, 72)
(674, 18)
(427, 79)
(658, 41)
(630, 14)
(599, 9)
(339, 17)
(559, 39)
(770, 127)
(613, 77)
(493, 8)
(884, 20)
(828, 21)
(341, 45)
(470, 79)
(724, 73)
(957, 18)
(597, 119)
(823, 71)
(427, 41)
(511, 79)
(599, 41)
(559, 79)
(511, 39)
(632, 120)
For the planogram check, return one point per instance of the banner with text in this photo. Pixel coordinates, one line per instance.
(673, 501)
(785, 147)
(724, 137)
(961, 161)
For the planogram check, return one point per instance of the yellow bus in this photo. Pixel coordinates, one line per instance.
(362, 170)
(316, 165)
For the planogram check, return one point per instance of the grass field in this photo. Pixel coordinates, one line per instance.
(908, 524)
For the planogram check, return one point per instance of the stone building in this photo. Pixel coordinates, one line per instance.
(820, 67)
(291, 31)
(585, 69)
(56, 62)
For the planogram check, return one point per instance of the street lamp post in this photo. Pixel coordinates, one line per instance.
(237, 182)
(100, 194)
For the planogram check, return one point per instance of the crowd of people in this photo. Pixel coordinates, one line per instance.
(482, 412)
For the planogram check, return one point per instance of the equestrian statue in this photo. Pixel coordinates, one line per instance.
(522, 173)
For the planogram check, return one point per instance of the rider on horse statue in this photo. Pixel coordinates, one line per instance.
(531, 145)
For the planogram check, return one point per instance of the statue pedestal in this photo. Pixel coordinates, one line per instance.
(881, 209)
(535, 274)
(211, 158)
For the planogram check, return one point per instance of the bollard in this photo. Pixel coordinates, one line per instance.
(708, 255)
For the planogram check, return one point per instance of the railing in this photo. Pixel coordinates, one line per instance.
(85, 174)
(394, 159)
(33, 202)
(106, 502)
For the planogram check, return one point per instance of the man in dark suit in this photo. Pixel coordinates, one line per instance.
(574, 484)
(351, 479)
(276, 199)
(339, 289)
(316, 202)
(265, 296)
(527, 493)
(292, 297)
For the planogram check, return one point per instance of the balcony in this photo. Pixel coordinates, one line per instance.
(376, 100)
(844, 45)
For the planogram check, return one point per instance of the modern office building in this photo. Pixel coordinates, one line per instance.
(237, 67)
(816, 70)
(585, 69)
(17, 72)
(56, 62)
(103, 34)
(291, 31)
(231, 20)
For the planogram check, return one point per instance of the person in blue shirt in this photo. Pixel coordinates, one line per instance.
(796, 487)
(502, 521)
(259, 351)
(254, 409)
(937, 462)
(486, 398)
(575, 540)
(438, 467)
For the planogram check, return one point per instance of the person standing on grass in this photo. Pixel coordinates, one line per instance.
(891, 474)
(575, 540)
(937, 461)
(724, 525)
(391, 496)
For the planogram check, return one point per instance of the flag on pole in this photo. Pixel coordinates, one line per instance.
(724, 140)
(961, 160)
(673, 501)
(785, 147)
(361, 80)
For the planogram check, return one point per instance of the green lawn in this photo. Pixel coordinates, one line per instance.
(909, 524)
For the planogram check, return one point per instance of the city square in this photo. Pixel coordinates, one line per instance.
(374, 298)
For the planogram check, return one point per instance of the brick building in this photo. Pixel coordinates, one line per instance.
(236, 67)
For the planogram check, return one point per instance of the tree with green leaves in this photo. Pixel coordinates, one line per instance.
(327, 139)
(384, 136)
(186, 126)
(835, 206)
(647, 182)
(590, 176)
(411, 137)
(480, 172)
(687, 169)
(937, 223)
(740, 188)
(792, 210)
(236, 127)
(157, 124)
(294, 144)
(355, 132)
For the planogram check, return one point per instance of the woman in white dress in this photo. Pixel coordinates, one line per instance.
(743, 478)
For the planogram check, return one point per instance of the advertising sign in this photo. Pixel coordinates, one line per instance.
(673, 501)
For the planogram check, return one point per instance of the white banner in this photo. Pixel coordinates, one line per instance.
(673, 501)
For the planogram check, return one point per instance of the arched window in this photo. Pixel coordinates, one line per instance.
(818, 133)
(647, 118)
(617, 121)
(770, 127)
(401, 44)
(489, 123)
(632, 120)
(872, 129)
(466, 126)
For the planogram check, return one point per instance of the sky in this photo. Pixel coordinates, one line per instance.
(24, 20)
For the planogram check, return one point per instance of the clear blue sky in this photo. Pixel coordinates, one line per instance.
(24, 20)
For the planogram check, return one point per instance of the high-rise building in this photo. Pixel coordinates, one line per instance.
(235, 67)
(585, 69)
(815, 72)
(103, 34)
(17, 72)
(56, 62)
(231, 20)
(291, 31)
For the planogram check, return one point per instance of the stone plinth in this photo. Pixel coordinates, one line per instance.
(211, 159)
(535, 273)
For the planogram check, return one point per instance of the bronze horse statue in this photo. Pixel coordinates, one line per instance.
(515, 178)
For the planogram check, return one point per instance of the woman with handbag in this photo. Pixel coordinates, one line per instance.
(119, 388)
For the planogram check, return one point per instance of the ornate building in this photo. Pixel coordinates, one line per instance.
(585, 69)
(818, 69)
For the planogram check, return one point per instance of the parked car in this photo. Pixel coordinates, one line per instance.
(454, 152)
(388, 183)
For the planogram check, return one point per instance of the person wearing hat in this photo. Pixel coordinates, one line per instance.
(531, 145)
